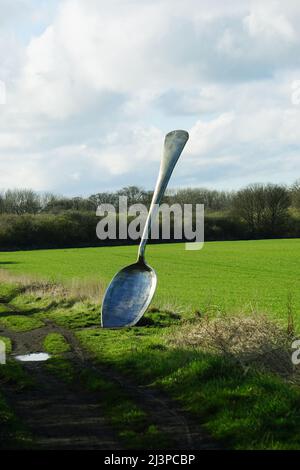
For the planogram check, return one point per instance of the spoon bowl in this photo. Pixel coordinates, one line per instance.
(128, 295)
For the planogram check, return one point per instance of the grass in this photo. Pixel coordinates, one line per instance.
(12, 432)
(20, 323)
(128, 418)
(8, 344)
(80, 314)
(55, 343)
(13, 373)
(228, 276)
(248, 409)
(31, 303)
(8, 290)
(4, 309)
(62, 368)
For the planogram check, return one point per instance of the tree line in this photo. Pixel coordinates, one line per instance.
(30, 220)
(27, 201)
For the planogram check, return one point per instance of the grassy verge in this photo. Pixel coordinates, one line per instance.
(245, 408)
(79, 315)
(20, 323)
(8, 291)
(8, 344)
(55, 343)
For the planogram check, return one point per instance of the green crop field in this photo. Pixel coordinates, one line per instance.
(263, 275)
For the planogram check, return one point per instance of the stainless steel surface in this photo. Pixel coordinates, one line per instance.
(174, 144)
(128, 296)
(131, 290)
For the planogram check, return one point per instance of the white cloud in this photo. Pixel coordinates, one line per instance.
(268, 21)
(93, 86)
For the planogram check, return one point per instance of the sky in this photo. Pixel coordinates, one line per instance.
(89, 88)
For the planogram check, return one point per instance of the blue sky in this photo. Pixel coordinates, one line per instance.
(92, 87)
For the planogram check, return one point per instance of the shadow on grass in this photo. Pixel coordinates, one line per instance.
(243, 409)
(48, 308)
(13, 433)
(132, 424)
(252, 409)
(156, 317)
(8, 292)
(9, 262)
(18, 310)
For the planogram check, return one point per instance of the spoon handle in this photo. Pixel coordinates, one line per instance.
(173, 146)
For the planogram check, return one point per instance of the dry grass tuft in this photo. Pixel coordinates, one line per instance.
(78, 289)
(20, 279)
(83, 289)
(248, 340)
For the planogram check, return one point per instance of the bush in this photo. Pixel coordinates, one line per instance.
(47, 230)
(78, 229)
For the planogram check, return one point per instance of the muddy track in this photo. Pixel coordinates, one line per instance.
(59, 417)
(63, 418)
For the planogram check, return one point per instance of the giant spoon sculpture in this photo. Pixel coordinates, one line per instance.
(131, 290)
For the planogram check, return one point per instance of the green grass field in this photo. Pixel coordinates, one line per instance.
(225, 276)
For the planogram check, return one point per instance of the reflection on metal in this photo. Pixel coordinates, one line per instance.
(128, 296)
(33, 357)
(131, 290)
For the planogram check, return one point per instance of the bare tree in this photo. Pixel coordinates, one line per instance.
(134, 194)
(263, 207)
(21, 201)
(277, 202)
(295, 194)
(213, 200)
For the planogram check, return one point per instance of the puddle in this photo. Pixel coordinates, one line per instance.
(33, 357)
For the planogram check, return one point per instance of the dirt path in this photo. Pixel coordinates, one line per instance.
(185, 432)
(61, 417)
